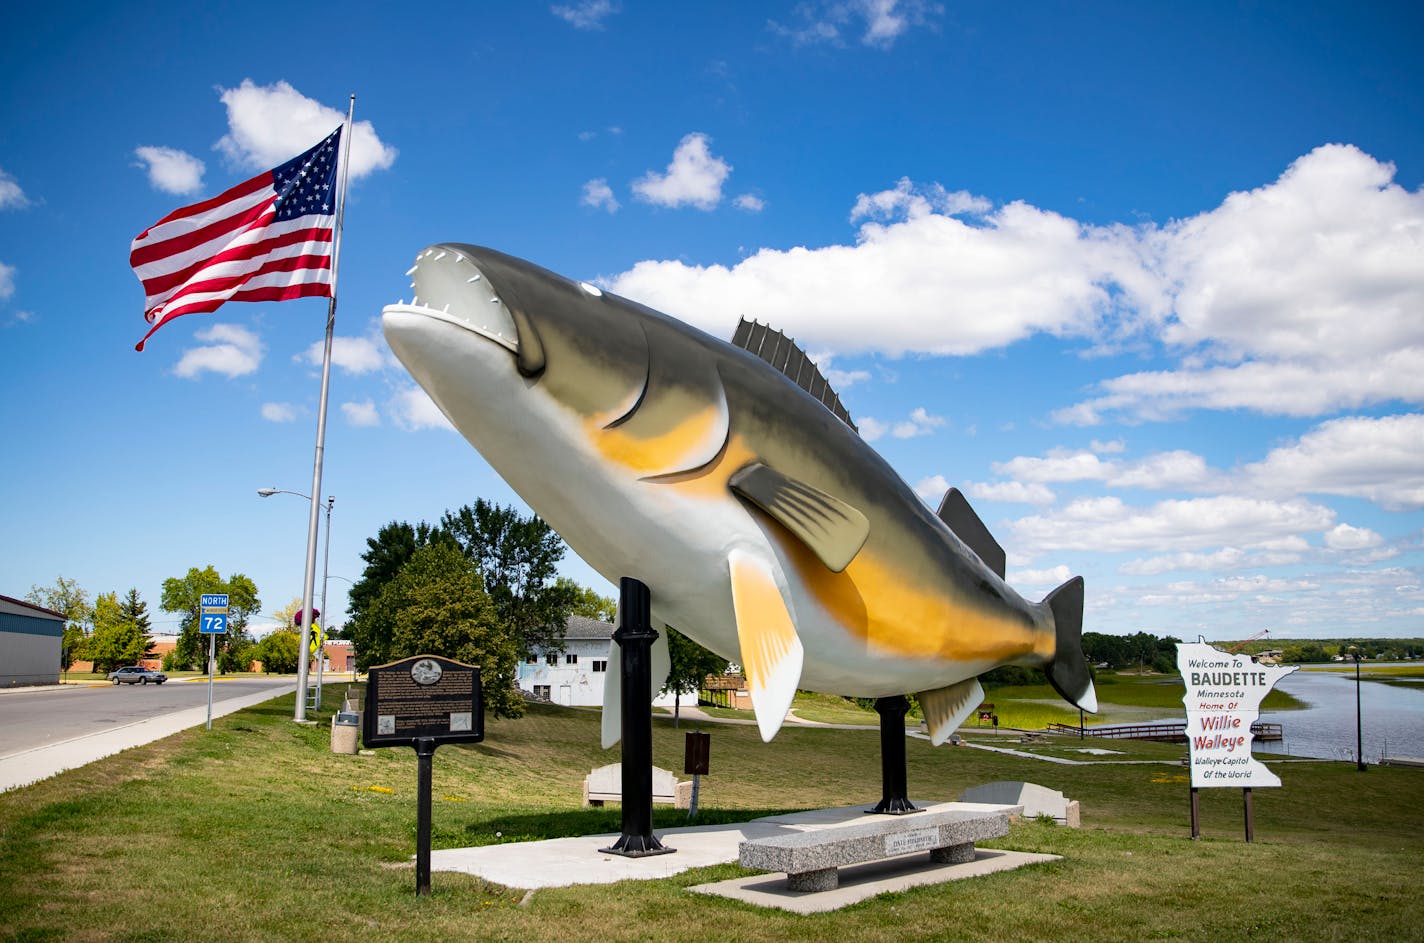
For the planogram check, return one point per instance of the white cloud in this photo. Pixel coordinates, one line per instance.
(1046, 579)
(914, 202)
(353, 354)
(749, 202)
(932, 489)
(1227, 558)
(170, 170)
(1109, 525)
(1060, 465)
(597, 193)
(1300, 297)
(920, 423)
(1381, 459)
(1165, 471)
(931, 282)
(279, 412)
(1012, 492)
(412, 409)
(11, 196)
(7, 281)
(586, 14)
(878, 22)
(871, 428)
(693, 178)
(1345, 537)
(21, 317)
(270, 124)
(361, 414)
(231, 350)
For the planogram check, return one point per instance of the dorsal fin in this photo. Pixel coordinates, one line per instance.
(782, 353)
(955, 511)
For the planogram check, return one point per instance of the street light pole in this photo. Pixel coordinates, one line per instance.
(303, 662)
(1359, 720)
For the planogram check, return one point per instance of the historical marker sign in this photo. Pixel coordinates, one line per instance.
(423, 698)
(1223, 700)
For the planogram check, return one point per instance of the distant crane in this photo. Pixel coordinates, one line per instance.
(1233, 649)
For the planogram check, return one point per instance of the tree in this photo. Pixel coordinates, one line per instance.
(278, 651)
(386, 553)
(588, 603)
(121, 634)
(67, 598)
(691, 664)
(437, 605)
(518, 557)
(184, 595)
(74, 647)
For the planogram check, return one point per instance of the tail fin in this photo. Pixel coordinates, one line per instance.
(1068, 670)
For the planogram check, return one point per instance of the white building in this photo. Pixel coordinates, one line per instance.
(575, 676)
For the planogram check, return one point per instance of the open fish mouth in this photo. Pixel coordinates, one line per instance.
(448, 286)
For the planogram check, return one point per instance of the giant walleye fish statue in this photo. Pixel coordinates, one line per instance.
(767, 529)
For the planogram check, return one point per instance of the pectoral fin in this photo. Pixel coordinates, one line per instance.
(770, 649)
(946, 708)
(613, 697)
(833, 530)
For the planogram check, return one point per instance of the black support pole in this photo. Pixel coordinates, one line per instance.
(635, 637)
(424, 754)
(894, 798)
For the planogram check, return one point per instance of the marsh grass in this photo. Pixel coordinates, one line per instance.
(256, 831)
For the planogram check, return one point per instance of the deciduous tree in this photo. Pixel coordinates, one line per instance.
(437, 605)
(691, 664)
(518, 558)
(183, 595)
(121, 635)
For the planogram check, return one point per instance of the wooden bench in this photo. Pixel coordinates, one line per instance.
(605, 784)
(812, 859)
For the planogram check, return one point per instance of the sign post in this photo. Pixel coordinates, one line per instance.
(422, 702)
(212, 623)
(1223, 699)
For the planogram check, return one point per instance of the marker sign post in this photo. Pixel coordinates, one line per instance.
(1223, 699)
(422, 702)
(212, 622)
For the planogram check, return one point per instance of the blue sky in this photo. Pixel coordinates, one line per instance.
(1146, 283)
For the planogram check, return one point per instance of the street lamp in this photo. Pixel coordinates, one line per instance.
(1359, 722)
(302, 660)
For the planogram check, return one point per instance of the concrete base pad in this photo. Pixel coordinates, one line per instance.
(560, 862)
(859, 882)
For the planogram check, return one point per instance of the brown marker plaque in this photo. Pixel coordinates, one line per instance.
(423, 698)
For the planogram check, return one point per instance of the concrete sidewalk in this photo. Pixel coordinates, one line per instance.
(31, 766)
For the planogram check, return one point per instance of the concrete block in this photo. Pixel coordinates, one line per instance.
(1036, 800)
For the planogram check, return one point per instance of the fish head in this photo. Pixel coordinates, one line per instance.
(493, 338)
(519, 327)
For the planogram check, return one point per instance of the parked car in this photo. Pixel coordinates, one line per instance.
(137, 674)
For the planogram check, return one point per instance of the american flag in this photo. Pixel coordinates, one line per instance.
(267, 239)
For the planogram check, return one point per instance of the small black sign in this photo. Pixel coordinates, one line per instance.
(696, 753)
(423, 698)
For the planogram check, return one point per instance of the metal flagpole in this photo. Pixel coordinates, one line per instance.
(303, 654)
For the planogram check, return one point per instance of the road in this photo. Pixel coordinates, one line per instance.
(48, 729)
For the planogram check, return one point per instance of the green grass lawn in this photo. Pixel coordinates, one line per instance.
(256, 831)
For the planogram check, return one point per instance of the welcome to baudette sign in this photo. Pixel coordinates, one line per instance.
(1223, 700)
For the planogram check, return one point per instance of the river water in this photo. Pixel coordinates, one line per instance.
(1393, 718)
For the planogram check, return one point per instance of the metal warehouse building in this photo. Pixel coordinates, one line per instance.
(30, 641)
